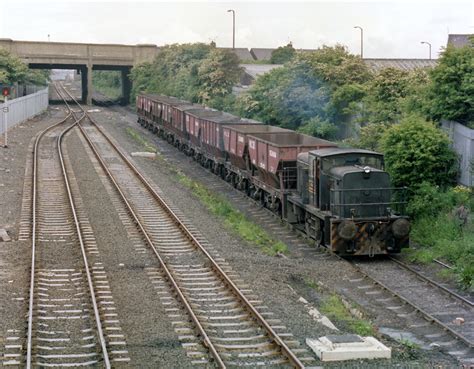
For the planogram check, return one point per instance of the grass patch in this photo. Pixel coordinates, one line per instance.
(439, 230)
(233, 218)
(113, 93)
(139, 138)
(335, 309)
(443, 238)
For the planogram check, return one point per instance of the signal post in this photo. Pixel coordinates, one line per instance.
(5, 93)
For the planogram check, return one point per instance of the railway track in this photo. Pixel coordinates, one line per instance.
(422, 296)
(64, 324)
(447, 316)
(229, 323)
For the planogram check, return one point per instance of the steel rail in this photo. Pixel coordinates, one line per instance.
(79, 233)
(443, 264)
(100, 331)
(433, 282)
(258, 317)
(207, 341)
(425, 314)
(33, 237)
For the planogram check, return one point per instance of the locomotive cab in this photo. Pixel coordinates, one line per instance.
(346, 202)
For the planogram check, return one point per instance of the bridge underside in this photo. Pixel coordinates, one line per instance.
(86, 75)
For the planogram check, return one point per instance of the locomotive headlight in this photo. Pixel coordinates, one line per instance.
(347, 230)
(401, 228)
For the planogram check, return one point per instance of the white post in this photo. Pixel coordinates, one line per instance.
(5, 121)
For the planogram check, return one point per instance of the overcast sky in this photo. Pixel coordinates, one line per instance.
(391, 29)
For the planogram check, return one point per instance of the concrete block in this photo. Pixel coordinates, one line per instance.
(4, 237)
(348, 347)
(151, 155)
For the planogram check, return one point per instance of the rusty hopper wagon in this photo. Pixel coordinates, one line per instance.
(341, 198)
(273, 158)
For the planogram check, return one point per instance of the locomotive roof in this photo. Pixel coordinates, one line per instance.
(331, 151)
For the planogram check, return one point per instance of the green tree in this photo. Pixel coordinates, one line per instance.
(286, 96)
(416, 151)
(452, 90)
(217, 74)
(283, 54)
(12, 69)
(385, 91)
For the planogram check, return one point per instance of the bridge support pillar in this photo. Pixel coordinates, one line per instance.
(126, 86)
(84, 84)
(90, 89)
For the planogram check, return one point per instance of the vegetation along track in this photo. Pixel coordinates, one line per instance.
(231, 323)
(64, 325)
(447, 316)
(392, 280)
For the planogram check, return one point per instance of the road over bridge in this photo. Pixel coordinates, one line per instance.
(83, 57)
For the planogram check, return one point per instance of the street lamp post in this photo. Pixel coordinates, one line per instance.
(233, 27)
(427, 43)
(361, 41)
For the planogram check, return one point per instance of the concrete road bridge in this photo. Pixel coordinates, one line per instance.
(84, 58)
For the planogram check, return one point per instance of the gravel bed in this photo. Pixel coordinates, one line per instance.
(279, 282)
(15, 255)
(151, 341)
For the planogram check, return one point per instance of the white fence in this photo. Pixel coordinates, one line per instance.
(24, 108)
(463, 144)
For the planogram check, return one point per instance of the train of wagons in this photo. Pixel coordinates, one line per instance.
(341, 198)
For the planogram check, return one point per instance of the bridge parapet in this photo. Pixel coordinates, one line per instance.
(84, 57)
(38, 52)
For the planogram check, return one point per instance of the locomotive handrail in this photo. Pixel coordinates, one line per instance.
(399, 204)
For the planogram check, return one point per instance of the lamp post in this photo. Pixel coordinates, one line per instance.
(361, 41)
(427, 43)
(233, 27)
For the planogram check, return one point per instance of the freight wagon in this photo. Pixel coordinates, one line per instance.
(341, 198)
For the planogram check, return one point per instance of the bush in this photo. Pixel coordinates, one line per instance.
(429, 200)
(370, 136)
(416, 151)
(283, 54)
(318, 127)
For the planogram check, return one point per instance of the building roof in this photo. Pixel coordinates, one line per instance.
(241, 52)
(266, 53)
(255, 70)
(261, 53)
(403, 64)
(459, 40)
